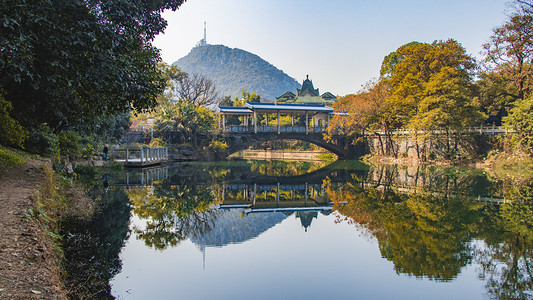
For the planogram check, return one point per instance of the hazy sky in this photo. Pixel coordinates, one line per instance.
(339, 43)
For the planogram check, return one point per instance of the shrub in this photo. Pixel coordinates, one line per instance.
(11, 132)
(69, 143)
(218, 147)
(43, 141)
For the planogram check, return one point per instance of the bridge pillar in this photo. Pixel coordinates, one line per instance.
(255, 122)
(279, 128)
(306, 123)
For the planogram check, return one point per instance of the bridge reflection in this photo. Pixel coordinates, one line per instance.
(258, 198)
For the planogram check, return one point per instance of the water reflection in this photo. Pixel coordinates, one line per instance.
(434, 232)
(92, 247)
(429, 222)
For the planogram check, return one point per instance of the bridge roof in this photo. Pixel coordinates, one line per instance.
(234, 110)
(285, 107)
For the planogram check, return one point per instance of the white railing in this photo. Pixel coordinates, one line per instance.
(143, 155)
(480, 130)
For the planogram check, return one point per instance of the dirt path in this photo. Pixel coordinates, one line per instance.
(28, 267)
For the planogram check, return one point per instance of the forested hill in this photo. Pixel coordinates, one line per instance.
(236, 69)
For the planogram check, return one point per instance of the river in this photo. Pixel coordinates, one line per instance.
(301, 230)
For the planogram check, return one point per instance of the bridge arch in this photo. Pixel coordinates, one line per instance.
(242, 141)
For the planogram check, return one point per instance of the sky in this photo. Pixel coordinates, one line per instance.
(340, 44)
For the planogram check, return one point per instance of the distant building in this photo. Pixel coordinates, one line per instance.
(307, 95)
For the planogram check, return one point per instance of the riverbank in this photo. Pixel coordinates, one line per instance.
(29, 265)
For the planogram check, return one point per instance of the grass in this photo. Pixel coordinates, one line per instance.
(9, 157)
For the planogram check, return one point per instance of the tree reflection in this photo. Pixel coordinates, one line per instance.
(172, 212)
(422, 235)
(432, 233)
(507, 260)
(280, 168)
(92, 247)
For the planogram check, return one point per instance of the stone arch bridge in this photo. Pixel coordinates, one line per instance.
(255, 123)
(238, 141)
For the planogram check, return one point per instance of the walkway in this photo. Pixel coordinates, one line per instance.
(140, 157)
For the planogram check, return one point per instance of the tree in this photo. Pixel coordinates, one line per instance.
(510, 54)
(11, 133)
(411, 67)
(196, 89)
(448, 104)
(366, 111)
(521, 120)
(236, 101)
(66, 62)
(184, 118)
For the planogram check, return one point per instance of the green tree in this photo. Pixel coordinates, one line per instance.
(411, 67)
(447, 104)
(66, 62)
(520, 119)
(184, 118)
(11, 132)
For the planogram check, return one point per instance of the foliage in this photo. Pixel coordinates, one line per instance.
(69, 143)
(416, 71)
(510, 54)
(232, 70)
(88, 151)
(66, 62)
(11, 132)
(447, 103)
(107, 129)
(217, 147)
(521, 120)
(236, 101)
(366, 110)
(184, 118)
(43, 141)
(157, 143)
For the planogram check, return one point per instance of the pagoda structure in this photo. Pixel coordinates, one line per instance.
(307, 95)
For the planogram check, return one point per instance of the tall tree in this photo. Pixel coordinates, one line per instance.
(410, 68)
(62, 62)
(196, 89)
(509, 55)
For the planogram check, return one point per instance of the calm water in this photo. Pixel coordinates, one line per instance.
(300, 230)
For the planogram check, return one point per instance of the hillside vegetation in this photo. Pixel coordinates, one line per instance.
(234, 69)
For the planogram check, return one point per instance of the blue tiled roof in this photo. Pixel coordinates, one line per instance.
(285, 106)
(234, 109)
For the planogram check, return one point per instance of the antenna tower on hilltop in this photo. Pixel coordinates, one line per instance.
(203, 41)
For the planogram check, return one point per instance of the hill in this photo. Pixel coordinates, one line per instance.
(236, 69)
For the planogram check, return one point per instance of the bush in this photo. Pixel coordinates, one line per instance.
(157, 143)
(520, 119)
(69, 143)
(43, 141)
(11, 132)
(218, 147)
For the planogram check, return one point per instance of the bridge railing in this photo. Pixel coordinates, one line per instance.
(493, 130)
(265, 128)
(143, 155)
